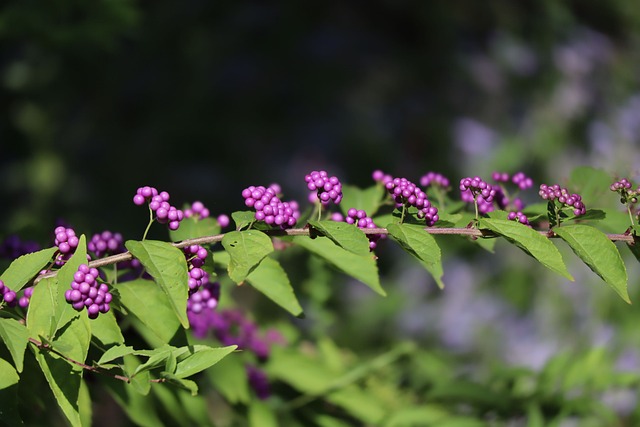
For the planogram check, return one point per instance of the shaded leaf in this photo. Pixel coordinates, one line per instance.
(246, 249)
(599, 253)
(361, 267)
(146, 301)
(368, 199)
(243, 218)
(347, 236)
(419, 243)
(168, 267)
(200, 358)
(106, 329)
(229, 378)
(8, 375)
(42, 309)
(15, 336)
(271, 279)
(23, 269)
(530, 241)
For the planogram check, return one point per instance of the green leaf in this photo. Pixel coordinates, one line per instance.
(42, 308)
(8, 375)
(115, 352)
(85, 404)
(158, 358)
(200, 358)
(25, 268)
(417, 415)
(419, 243)
(146, 301)
(246, 249)
(271, 279)
(64, 312)
(188, 385)
(191, 228)
(229, 378)
(368, 199)
(243, 218)
(106, 329)
(15, 336)
(530, 241)
(261, 415)
(168, 267)
(64, 377)
(140, 409)
(347, 236)
(599, 253)
(591, 183)
(360, 267)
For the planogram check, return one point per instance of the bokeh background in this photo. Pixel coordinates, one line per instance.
(204, 98)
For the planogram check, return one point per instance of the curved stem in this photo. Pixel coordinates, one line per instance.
(144, 236)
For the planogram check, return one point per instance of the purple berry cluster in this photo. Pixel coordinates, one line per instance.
(204, 298)
(627, 195)
(519, 217)
(106, 243)
(381, 177)
(87, 292)
(7, 295)
(159, 203)
(478, 191)
(327, 188)
(269, 208)
(258, 381)
(26, 297)
(196, 256)
(406, 193)
(434, 178)
(197, 210)
(66, 241)
(522, 181)
(359, 218)
(562, 195)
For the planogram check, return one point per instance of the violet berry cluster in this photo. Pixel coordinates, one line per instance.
(67, 242)
(106, 243)
(7, 295)
(159, 204)
(361, 220)
(434, 178)
(327, 188)
(627, 195)
(196, 256)
(87, 293)
(406, 193)
(269, 208)
(519, 217)
(475, 190)
(199, 211)
(562, 195)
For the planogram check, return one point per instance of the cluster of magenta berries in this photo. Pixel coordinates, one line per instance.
(406, 193)
(7, 295)
(14, 247)
(327, 188)
(106, 243)
(359, 218)
(519, 217)
(562, 195)
(159, 203)
(434, 178)
(475, 190)
(196, 256)
(199, 211)
(627, 195)
(87, 293)
(66, 241)
(204, 298)
(268, 206)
